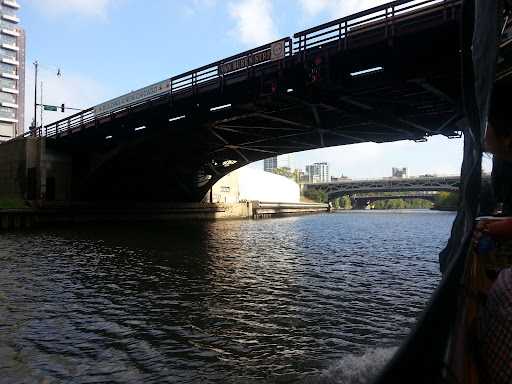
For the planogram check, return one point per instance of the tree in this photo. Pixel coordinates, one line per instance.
(447, 199)
(345, 203)
(417, 203)
(402, 203)
(285, 171)
(316, 195)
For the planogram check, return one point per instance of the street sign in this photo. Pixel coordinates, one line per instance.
(277, 50)
(134, 97)
(50, 108)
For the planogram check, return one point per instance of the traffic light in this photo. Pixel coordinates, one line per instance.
(62, 108)
(269, 87)
(313, 74)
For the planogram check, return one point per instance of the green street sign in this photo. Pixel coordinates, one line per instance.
(50, 108)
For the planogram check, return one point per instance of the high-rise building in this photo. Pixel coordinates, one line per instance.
(318, 172)
(280, 161)
(12, 71)
(401, 172)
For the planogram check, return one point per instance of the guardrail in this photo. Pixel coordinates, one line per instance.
(267, 204)
(189, 81)
(382, 20)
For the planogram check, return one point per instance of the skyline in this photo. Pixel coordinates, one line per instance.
(107, 48)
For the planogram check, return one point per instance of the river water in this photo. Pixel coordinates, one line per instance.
(323, 298)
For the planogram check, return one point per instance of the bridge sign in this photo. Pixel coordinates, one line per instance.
(244, 62)
(134, 97)
(276, 52)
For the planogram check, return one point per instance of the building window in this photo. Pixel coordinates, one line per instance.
(6, 97)
(7, 68)
(6, 54)
(6, 113)
(8, 40)
(224, 189)
(7, 83)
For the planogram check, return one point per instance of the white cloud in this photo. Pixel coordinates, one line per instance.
(337, 8)
(70, 89)
(254, 23)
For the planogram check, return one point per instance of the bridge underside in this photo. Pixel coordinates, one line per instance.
(415, 95)
(369, 199)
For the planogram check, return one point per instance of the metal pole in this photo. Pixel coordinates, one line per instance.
(35, 98)
(35, 90)
(41, 105)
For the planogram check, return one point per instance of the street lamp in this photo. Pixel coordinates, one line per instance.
(36, 64)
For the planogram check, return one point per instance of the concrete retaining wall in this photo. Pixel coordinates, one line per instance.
(16, 218)
(31, 171)
(61, 212)
(13, 169)
(273, 209)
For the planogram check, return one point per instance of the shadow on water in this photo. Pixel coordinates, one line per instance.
(289, 300)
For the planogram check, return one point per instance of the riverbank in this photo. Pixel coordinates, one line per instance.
(55, 213)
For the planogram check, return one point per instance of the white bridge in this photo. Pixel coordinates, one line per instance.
(336, 189)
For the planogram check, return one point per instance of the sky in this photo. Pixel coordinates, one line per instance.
(107, 48)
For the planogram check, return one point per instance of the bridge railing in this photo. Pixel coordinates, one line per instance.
(209, 74)
(189, 81)
(382, 20)
(384, 179)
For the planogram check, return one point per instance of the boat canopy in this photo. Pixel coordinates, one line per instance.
(424, 356)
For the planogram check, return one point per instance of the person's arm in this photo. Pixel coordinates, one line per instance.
(501, 230)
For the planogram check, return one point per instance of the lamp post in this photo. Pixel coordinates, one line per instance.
(36, 64)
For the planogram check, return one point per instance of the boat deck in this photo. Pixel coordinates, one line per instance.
(480, 276)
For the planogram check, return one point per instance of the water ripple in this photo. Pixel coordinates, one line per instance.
(289, 300)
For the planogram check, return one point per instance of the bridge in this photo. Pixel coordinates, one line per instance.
(366, 201)
(335, 189)
(389, 73)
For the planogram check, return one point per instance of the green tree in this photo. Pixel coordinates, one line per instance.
(345, 202)
(402, 204)
(316, 195)
(397, 204)
(446, 198)
(296, 176)
(417, 203)
(389, 204)
(285, 171)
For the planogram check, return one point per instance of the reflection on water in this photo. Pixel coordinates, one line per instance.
(284, 300)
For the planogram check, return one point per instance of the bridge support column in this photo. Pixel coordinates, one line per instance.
(363, 204)
(29, 170)
(55, 173)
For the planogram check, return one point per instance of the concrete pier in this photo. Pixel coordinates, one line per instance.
(17, 218)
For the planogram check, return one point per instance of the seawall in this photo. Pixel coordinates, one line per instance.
(63, 213)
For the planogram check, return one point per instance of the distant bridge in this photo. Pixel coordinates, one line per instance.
(430, 196)
(336, 189)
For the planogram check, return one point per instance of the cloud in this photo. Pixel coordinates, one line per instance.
(72, 90)
(191, 8)
(254, 23)
(337, 8)
(90, 8)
